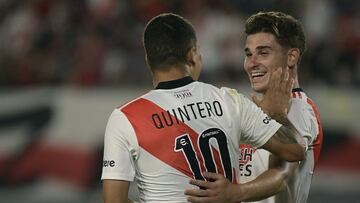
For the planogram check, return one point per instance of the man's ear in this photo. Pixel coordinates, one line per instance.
(293, 57)
(191, 56)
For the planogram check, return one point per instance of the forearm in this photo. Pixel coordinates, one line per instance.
(270, 182)
(115, 191)
(266, 185)
(287, 143)
(291, 134)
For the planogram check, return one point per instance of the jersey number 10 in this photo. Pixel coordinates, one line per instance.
(183, 143)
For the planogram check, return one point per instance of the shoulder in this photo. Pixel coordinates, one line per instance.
(234, 96)
(133, 104)
(225, 92)
(116, 119)
(207, 86)
(301, 102)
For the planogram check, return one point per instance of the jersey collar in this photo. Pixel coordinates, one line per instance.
(175, 83)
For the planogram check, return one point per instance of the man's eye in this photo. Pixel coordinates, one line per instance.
(264, 53)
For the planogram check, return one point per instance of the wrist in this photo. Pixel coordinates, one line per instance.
(281, 118)
(237, 193)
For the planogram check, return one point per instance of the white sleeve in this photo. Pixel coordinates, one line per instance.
(255, 127)
(120, 148)
(303, 118)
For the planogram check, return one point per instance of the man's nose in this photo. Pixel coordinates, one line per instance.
(252, 61)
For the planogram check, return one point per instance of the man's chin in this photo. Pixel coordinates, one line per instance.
(258, 88)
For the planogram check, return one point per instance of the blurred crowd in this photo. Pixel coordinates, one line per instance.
(98, 42)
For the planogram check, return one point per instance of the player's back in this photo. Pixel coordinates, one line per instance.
(180, 132)
(177, 132)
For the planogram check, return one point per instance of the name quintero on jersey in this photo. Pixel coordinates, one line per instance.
(186, 113)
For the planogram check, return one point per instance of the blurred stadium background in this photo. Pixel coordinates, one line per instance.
(65, 64)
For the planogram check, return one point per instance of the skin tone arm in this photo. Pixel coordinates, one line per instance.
(286, 144)
(115, 191)
(269, 183)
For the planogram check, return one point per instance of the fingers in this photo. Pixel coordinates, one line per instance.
(198, 196)
(276, 77)
(286, 81)
(290, 85)
(286, 74)
(212, 176)
(200, 183)
(213, 192)
(214, 180)
(203, 195)
(197, 192)
(199, 199)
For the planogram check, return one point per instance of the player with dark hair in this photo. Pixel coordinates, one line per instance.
(184, 128)
(273, 39)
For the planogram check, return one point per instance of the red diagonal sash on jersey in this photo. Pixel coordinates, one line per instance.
(217, 159)
(160, 142)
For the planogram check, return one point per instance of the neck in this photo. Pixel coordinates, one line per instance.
(172, 73)
(296, 82)
(293, 74)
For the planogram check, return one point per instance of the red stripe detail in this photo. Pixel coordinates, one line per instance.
(160, 142)
(216, 156)
(235, 179)
(317, 144)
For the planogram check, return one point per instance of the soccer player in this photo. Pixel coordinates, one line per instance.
(273, 39)
(184, 128)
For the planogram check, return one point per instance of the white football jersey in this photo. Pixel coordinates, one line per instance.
(304, 115)
(177, 132)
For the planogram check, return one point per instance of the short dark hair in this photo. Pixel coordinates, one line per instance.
(287, 30)
(167, 39)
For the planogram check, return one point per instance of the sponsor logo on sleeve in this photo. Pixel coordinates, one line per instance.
(108, 163)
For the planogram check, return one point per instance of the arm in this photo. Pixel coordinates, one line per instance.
(118, 165)
(221, 189)
(269, 183)
(287, 144)
(115, 191)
